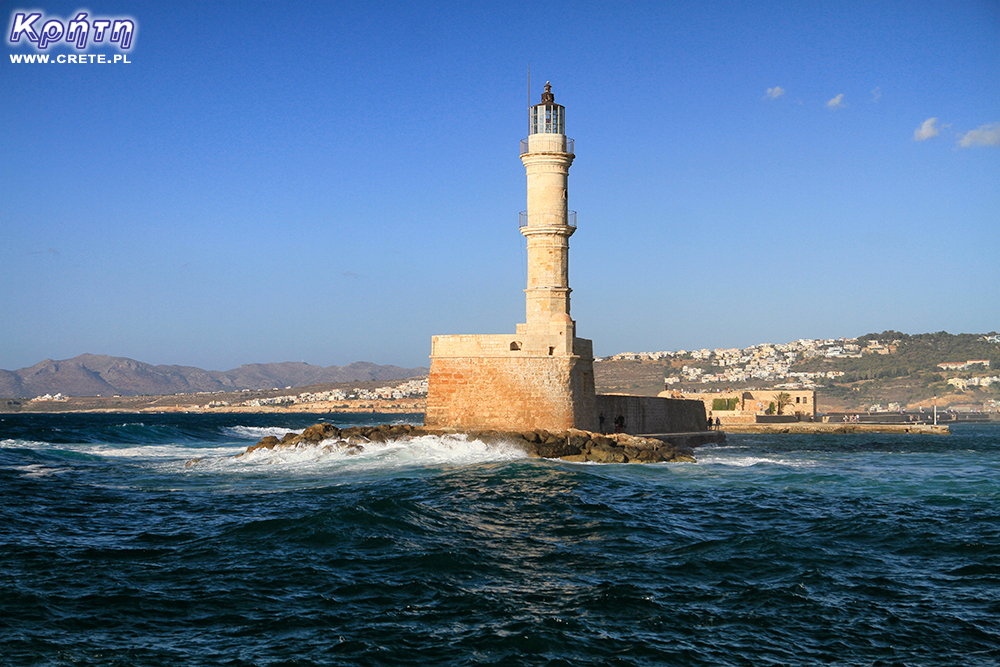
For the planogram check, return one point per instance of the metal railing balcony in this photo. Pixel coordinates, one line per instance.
(546, 217)
(569, 148)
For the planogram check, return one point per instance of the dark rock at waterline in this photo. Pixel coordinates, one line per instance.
(571, 445)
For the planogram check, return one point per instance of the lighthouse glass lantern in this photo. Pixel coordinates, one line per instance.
(547, 117)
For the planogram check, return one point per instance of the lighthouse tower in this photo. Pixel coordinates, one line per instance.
(548, 223)
(542, 376)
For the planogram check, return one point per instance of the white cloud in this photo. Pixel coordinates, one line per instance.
(926, 130)
(836, 102)
(877, 93)
(774, 93)
(985, 135)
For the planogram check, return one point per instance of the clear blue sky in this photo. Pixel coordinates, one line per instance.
(328, 183)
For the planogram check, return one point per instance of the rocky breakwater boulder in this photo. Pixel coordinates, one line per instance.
(580, 446)
(350, 440)
(572, 445)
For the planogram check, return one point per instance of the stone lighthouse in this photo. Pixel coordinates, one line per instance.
(548, 223)
(542, 376)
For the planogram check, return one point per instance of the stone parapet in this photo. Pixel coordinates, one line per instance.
(523, 343)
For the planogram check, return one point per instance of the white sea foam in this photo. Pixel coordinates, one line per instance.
(422, 451)
(730, 459)
(39, 470)
(166, 451)
(11, 443)
(136, 452)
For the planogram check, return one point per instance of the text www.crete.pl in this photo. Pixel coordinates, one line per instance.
(71, 58)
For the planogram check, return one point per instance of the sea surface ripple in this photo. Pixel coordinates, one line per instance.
(143, 540)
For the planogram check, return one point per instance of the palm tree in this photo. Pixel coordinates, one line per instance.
(783, 399)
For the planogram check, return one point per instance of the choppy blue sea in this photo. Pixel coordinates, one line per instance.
(770, 550)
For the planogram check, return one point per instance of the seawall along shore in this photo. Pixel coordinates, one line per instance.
(820, 427)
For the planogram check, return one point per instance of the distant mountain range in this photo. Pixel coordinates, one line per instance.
(101, 375)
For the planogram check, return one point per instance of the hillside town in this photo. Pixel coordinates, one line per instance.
(409, 389)
(768, 362)
(809, 364)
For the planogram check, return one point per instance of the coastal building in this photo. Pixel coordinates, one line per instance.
(542, 375)
(749, 407)
(961, 366)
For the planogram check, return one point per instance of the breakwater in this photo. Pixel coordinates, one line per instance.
(831, 427)
(573, 445)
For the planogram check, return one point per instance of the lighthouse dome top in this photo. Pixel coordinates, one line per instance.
(547, 117)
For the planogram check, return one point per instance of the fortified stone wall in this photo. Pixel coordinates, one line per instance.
(514, 391)
(649, 414)
(735, 417)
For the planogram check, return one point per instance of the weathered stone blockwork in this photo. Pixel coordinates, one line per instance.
(651, 415)
(511, 393)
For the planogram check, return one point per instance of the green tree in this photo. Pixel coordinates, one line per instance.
(783, 399)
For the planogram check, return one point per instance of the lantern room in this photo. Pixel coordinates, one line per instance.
(547, 117)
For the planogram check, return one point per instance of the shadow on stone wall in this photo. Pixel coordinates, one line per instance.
(651, 414)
